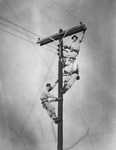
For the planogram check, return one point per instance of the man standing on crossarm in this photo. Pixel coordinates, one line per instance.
(45, 95)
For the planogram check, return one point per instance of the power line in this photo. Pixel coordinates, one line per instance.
(16, 30)
(19, 26)
(22, 33)
(24, 39)
(25, 30)
(17, 36)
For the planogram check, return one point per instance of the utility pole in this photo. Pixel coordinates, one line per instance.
(60, 94)
(59, 36)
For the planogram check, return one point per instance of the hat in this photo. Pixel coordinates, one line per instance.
(74, 36)
(48, 84)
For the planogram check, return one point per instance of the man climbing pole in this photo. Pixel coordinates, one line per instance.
(72, 74)
(46, 103)
(71, 51)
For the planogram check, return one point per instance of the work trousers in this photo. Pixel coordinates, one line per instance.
(69, 81)
(50, 109)
(71, 54)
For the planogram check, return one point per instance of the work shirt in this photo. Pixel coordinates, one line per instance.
(74, 50)
(75, 46)
(46, 94)
(71, 67)
(72, 79)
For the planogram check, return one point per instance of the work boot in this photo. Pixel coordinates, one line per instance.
(58, 99)
(56, 120)
(63, 63)
(58, 51)
(63, 90)
(65, 72)
(78, 78)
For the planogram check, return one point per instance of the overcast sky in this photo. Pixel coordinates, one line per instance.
(25, 68)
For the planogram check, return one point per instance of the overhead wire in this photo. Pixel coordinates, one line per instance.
(17, 30)
(19, 26)
(16, 36)
(25, 39)
(8, 21)
(28, 31)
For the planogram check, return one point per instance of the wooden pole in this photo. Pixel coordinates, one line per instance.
(60, 95)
